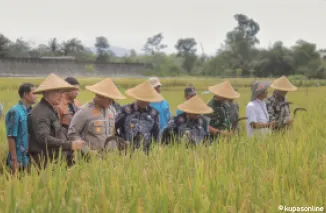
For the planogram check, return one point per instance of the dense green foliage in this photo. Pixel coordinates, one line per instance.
(238, 56)
(239, 175)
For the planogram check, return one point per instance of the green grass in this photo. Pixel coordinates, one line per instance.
(233, 176)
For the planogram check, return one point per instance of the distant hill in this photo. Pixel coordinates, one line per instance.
(118, 51)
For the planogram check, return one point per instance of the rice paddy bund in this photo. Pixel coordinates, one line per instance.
(239, 175)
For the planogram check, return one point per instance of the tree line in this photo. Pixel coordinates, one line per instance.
(238, 56)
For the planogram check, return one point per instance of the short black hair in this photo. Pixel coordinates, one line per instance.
(72, 81)
(25, 88)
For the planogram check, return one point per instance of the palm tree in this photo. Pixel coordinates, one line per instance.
(54, 46)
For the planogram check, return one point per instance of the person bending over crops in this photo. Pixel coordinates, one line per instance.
(277, 105)
(44, 127)
(16, 126)
(138, 122)
(220, 123)
(189, 92)
(190, 126)
(256, 112)
(95, 121)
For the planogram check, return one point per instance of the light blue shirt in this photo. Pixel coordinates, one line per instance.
(178, 112)
(164, 109)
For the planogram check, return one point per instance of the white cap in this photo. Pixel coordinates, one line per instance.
(154, 82)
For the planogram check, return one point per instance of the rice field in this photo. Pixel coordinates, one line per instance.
(237, 175)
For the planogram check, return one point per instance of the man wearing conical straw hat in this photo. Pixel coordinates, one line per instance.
(95, 121)
(190, 124)
(44, 126)
(277, 107)
(220, 123)
(139, 123)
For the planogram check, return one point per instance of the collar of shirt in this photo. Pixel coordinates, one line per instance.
(20, 102)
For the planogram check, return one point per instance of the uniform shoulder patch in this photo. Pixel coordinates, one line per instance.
(153, 112)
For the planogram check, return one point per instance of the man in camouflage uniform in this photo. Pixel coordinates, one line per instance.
(95, 121)
(139, 123)
(220, 120)
(190, 126)
(277, 105)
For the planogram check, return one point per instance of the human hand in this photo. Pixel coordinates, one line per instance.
(77, 145)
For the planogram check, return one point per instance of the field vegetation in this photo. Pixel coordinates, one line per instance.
(237, 175)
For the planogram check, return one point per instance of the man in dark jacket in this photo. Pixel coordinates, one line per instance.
(44, 127)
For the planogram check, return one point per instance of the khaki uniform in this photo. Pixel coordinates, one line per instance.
(92, 125)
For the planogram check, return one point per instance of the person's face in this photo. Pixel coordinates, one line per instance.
(281, 93)
(72, 95)
(189, 96)
(103, 102)
(158, 89)
(264, 95)
(192, 116)
(142, 104)
(218, 98)
(29, 97)
(54, 97)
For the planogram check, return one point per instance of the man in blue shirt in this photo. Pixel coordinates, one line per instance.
(189, 92)
(16, 128)
(162, 107)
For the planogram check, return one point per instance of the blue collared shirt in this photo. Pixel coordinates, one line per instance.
(16, 127)
(164, 109)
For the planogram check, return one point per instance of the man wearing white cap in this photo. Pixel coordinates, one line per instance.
(163, 106)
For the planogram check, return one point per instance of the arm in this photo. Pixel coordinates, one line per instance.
(12, 132)
(270, 110)
(43, 135)
(156, 128)
(77, 125)
(119, 121)
(252, 119)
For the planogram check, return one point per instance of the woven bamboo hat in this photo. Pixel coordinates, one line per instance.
(224, 90)
(195, 105)
(51, 83)
(106, 88)
(144, 92)
(283, 84)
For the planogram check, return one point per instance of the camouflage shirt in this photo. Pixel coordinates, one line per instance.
(220, 118)
(276, 111)
(234, 115)
(138, 126)
(194, 131)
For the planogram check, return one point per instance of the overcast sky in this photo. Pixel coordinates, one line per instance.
(128, 23)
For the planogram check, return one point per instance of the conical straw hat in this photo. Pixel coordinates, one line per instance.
(224, 90)
(53, 82)
(144, 92)
(283, 84)
(195, 105)
(106, 88)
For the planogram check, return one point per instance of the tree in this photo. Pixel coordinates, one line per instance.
(72, 46)
(153, 44)
(20, 48)
(187, 50)
(276, 61)
(54, 46)
(240, 42)
(102, 48)
(4, 45)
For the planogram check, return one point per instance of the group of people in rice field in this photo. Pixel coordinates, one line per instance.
(58, 125)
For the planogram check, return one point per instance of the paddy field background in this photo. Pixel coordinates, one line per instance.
(240, 175)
